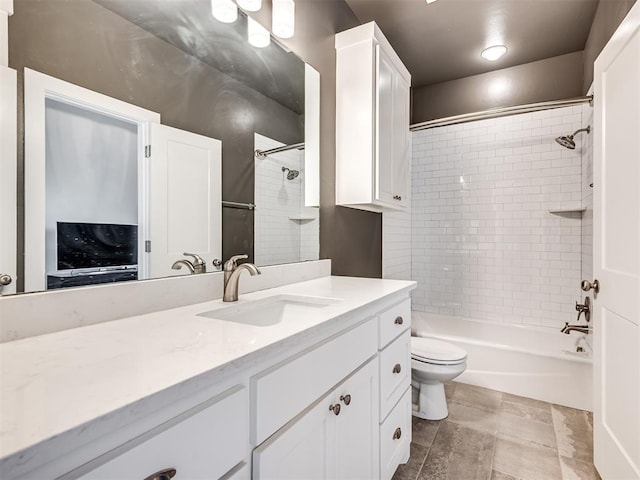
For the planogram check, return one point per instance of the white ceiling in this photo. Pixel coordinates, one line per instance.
(442, 41)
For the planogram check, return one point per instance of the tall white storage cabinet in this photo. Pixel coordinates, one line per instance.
(372, 122)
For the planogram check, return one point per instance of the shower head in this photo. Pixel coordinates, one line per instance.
(292, 173)
(567, 141)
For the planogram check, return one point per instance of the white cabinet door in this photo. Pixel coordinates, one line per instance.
(8, 182)
(616, 242)
(357, 430)
(321, 444)
(392, 132)
(384, 156)
(303, 449)
(185, 198)
(401, 140)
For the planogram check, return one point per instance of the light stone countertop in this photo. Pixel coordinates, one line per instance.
(53, 384)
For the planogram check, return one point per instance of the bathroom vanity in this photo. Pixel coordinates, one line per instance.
(310, 379)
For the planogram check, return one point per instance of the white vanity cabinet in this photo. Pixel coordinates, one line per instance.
(372, 122)
(329, 402)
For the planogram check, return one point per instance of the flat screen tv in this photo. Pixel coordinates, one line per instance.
(96, 245)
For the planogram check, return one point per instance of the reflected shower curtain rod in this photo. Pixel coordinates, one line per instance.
(500, 112)
(262, 154)
(240, 205)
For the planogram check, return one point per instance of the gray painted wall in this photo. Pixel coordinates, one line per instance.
(88, 45)
(609, 15)
(351, 238)
(550, 79)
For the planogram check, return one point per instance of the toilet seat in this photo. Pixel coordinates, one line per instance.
(437, 352)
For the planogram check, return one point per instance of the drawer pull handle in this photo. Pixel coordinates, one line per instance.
(397, 434)
(399, 321)
(346, 399)
(397, 368)
(335, 408)
(167, 474)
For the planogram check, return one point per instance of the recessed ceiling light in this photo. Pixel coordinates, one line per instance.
(430, 1)
(494, 52)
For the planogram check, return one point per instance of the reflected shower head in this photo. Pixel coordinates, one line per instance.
(292, 173)
(567, 141)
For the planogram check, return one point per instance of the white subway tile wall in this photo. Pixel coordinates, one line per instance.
(396, 241)
(281, 235)
(483, 243)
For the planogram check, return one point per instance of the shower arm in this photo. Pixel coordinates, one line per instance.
(586, 129)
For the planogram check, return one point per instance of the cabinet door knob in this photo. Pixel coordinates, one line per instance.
(397, 434)
(167, 474)
(335, 408)
(5, 279)
(399, 320)
(346, 399)
(397, 368)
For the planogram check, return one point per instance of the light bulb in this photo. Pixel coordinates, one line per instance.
(494, 52)
(283, 24)
(224, 11)
(250, 5)
(257, 35)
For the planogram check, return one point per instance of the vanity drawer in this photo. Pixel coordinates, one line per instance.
(394, 321)
(395, 372)
(286, 390)
(395, 437)
(202, 443)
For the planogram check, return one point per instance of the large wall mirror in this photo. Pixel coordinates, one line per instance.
(242, 117)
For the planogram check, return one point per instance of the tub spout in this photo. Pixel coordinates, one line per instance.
(567, 329)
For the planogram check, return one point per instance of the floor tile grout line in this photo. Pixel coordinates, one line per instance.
(424, 460)
(495, 438)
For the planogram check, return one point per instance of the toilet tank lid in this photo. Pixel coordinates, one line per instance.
(431, 349)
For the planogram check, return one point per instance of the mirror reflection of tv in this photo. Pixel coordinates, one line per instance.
(96, 245)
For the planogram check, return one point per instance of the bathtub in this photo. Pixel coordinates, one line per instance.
(534, 362)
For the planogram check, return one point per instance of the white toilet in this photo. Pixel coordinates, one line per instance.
(433, 362)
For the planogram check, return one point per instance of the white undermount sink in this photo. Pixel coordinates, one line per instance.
(271, 310)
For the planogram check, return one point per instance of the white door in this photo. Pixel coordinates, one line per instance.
(617, 254)
(401, 139)
(357, 429)
(185, 192)
(8, 182)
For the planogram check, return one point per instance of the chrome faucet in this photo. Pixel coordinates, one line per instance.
(575, 328)
(232, 273)
(198, 265)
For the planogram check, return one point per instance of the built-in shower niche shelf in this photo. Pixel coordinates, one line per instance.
(302, 218)
(567, 209)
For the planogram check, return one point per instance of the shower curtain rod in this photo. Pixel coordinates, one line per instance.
(243, 206)
(262, 154)
(499, 112)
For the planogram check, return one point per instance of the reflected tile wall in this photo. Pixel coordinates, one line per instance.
(483, 243)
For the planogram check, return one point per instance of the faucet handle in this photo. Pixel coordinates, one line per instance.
(231, 264)
(197, 259)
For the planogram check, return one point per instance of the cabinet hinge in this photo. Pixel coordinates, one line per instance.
(147, 151)
(147, 246)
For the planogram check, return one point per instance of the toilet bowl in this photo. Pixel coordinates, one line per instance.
(433, 362)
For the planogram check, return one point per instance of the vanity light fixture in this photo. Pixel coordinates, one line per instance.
(493, 52)
(283, 22)
(250, 5)
(224, 11)
(257, 35)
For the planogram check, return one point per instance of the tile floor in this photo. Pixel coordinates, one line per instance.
(491, 435)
